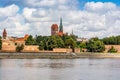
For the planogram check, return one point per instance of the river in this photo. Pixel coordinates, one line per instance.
(60, 69)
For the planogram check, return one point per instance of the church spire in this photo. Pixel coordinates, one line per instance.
(61, 26)
(72, 32)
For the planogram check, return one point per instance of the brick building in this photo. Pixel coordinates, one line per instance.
(55, 30)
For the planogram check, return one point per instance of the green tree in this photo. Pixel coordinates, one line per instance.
(112, 50)
(95, 45)
(38, 39)
(70, 43)
(52, 43)
(30, 41)
(19, 48)
(60, 42)
(41, 45)
(82, 45)
(118, 40)
(73, 37)
(45, 42)
(113, 40)
(65, 37)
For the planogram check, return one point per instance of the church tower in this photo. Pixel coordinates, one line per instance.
(4, 34)
(54, 29)
(61, 26)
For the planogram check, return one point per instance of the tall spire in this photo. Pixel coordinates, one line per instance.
(61, 26)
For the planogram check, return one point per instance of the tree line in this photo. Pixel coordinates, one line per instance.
(69, 41)
(66, 41)
(50, 42)
(113, 40)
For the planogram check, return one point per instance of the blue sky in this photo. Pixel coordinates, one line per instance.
(81, 3)
(87, 18)
(21, 2)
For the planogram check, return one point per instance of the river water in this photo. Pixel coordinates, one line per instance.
(60, 69)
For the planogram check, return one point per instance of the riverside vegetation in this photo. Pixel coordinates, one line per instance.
(69, 41)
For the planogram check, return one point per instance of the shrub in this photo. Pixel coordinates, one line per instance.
(19, 48)
(112, 50)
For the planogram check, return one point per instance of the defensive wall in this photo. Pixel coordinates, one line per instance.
(10, 47)
(31, 48)
(117, 47)
(35, 48)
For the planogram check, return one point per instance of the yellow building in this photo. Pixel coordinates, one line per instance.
(9, 43)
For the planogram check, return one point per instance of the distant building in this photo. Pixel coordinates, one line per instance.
(55, 31)
(82, 39)
(10, 43)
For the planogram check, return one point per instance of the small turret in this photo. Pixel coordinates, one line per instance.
(4, 34)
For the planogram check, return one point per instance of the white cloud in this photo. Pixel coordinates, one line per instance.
(15, 26)
(38, 3)
(100, 7)
(8, 11)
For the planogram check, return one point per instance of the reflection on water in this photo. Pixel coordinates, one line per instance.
(51, 65)
(59, 69)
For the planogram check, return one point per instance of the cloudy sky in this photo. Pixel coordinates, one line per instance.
(87, 18)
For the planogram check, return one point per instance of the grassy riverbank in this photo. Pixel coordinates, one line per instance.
(56, 55)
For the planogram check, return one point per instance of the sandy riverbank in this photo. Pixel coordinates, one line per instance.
(56, 55)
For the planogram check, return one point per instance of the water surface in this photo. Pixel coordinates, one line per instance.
(60, 69)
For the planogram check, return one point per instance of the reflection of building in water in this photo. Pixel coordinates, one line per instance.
(60, 65)
(58, 69)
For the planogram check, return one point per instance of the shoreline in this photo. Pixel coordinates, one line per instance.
(31, 55)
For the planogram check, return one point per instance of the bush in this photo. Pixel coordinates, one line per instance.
(41, 47)
(95, 45)
(19, 48)
(112, 50)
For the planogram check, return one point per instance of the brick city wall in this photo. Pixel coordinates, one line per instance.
(107, 47)
(62, 50)
(31, 48)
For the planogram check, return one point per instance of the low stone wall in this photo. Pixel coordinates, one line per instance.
(107, 47)
(62, 50)
(9, 48)
(77, 50)
(31, 48)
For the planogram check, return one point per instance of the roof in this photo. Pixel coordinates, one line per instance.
(54, 26)
(22, 38)
(60, 33)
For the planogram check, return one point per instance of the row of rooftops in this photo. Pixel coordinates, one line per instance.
(14, 38)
